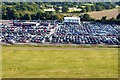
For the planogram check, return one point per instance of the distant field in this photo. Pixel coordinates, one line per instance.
(57, 62)
(109, 13)
(73, 10)
(98, 14)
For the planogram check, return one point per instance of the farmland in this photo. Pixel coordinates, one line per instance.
(112, 13)
(57, 62)
(109, 13)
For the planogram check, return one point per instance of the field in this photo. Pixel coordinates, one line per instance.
(59, 62)
(109, 13)
(72, 10)
(112, 13)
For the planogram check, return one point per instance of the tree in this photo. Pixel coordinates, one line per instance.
(108, 6)
(98, 8)
(46, 16)
(83, 10)
(27, 17)
(38, 15)
(18, 6)
(33, 17)
(57, 17)
(10, 13)
(88, 8)
(16, 15)
(86, 17)
(104, 18)
(118, 17)
(113, 5)
(112, 19)
(21, 16)
(57, 9)
(93, 8)
(64, 9)
(79, 5)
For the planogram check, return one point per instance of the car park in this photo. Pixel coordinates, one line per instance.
(85, 33)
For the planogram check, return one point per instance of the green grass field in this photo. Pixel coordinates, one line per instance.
(59, 62)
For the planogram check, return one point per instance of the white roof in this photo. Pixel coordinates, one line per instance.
(49, 9)
(30, 22)
(71, 18)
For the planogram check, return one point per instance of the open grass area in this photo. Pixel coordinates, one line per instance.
(59, 62)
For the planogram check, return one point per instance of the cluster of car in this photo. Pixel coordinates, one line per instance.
(87, 33)
(82, 39)
(24, 34)
(84, 33)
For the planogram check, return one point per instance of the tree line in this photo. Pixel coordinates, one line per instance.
(87, 17)
(35, 10)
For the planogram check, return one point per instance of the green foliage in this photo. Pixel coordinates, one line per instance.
(88, 8)
(112, 19)
(86, 17)
(10, 13)
(118, 16)
(83, 10)
(65, 9)
(58, 17)
(16, 15)
(98, 8)
(57, 9)
(104, 18)
(93, 8)
(38, 15)
(27, 17)
(34, 10)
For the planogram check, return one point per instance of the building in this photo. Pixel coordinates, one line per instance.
(72, 9)
(26, 24)
(49, 10)
(30, 23)
(74, 20)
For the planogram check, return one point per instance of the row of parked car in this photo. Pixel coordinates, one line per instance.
(112, 40)
(15, 33)
(94, 29)
(85, 33)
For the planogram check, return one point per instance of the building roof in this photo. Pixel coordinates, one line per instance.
(71, 18)
(50, 9)
(30, 22)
